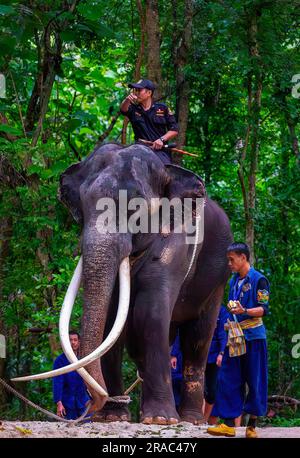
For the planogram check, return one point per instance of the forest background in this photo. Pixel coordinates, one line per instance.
(230, 69)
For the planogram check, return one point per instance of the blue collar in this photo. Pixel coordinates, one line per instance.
(249, 275)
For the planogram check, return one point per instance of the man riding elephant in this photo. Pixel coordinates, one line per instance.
(150, 120)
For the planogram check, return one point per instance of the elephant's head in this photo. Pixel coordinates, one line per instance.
(102, 175)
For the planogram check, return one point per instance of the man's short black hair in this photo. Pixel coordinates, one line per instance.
(74, 333)
(240, 248)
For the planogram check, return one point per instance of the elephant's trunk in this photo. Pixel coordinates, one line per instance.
(101, 261)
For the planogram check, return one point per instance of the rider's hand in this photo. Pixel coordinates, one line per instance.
(158, 144)
(219, 360)
(61, 411)
(173, 362)
(132, 98)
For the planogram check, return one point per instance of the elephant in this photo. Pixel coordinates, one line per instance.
(174, 286)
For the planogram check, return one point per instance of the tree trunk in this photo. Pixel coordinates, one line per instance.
(138, 63)
(141, 53)
(250, 149)
(49, 48)
(48, 67)
(5, 236)
(154, 72)
(43, 255)
(293, 136)
(182, 82)
(210, 103)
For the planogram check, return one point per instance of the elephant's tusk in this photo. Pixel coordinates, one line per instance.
(124, 297)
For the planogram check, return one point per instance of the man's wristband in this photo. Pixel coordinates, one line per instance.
(162, 139)
(221, 353)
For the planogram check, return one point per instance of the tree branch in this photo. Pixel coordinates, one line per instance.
(107, 132)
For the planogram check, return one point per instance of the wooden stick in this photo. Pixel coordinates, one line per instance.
(175, 150)
(138, 380)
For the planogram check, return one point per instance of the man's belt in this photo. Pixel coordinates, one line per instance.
(254, 322)
(236, 338)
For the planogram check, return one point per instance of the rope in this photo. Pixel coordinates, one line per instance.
(120, 399)
(46, 412)
(117, 399)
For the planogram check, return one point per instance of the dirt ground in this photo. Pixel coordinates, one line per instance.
(44, 429)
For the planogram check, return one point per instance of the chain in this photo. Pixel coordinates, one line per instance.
(120, 399)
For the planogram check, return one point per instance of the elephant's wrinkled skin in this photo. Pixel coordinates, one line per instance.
(161, 301)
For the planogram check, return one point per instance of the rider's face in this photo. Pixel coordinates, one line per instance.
(142, 94)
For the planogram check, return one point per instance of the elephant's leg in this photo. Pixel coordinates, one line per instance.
(111, 364)
(195, 339)
(151, 321)
(111, 367)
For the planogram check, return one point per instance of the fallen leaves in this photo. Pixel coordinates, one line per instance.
(23, 430)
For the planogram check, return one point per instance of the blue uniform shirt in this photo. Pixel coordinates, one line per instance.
(69, 388)
(153, 123)
(219, 339)
(253, 292)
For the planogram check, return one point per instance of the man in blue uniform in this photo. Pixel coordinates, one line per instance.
(152, 121)
(214, 362)
(69, 391)
(245, 357)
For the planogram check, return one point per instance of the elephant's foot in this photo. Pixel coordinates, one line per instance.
(112, 411)
(192, 416)
(159, 414)
(159, 421)
(96, 405)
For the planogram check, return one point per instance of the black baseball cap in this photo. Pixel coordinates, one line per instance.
(143, 84)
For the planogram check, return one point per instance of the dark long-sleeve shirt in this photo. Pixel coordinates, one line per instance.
(69, 388)
(219, 339)
(153, 123)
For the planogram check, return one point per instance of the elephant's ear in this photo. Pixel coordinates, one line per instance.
(184, 183)
(69, 192)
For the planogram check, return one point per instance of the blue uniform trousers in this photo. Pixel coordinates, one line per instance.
(211, 382)
(251, 369)
(177, 386)
(72, 414)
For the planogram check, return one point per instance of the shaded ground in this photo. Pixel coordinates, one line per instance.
(43, 429)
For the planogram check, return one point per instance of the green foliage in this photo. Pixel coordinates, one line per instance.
(287, 417)
(129, 376)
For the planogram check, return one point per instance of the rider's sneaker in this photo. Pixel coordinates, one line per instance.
(221, 430)
(251, 432)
